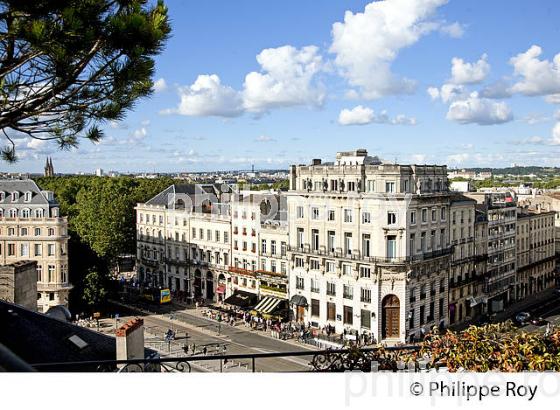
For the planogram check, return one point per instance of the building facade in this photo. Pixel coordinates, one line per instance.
(369, 246)
(31, 228)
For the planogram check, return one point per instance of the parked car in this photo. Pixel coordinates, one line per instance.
(538, 321)
(522, 318)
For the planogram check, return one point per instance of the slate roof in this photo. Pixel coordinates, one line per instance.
(22, 186)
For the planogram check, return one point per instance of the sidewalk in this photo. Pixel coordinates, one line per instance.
(197, 312)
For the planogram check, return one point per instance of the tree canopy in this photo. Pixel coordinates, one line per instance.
(67, 66)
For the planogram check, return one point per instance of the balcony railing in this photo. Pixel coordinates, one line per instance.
(332, 360)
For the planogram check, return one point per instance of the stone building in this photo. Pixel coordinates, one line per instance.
(535, 252)
(31, 228)
(369, 245)
(18, 284)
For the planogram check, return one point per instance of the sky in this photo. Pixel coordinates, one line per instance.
(464, 83)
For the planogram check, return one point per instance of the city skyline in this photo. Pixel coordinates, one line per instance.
(278, 85)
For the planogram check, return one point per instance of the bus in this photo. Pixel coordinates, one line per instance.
(159, 296)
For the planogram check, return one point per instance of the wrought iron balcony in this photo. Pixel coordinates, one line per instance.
(331, 360)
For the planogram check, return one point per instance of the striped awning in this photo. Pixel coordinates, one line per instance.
(268, 304)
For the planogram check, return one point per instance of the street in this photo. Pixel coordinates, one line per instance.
(207, 333)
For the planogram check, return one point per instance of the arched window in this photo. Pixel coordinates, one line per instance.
(39, 213)
(51, 231)
(25, 213)
(13, 213)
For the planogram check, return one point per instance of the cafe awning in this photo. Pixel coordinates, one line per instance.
(242, 299)
(298, 300)
(268, 304)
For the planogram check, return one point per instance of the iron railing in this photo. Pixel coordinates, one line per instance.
(329, 360)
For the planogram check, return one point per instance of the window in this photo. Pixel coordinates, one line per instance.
(330, 267)
(50, 249)
(37, 249)
(348, 243)
(347, 292)
(263, 246)
(314, 213)
(391, 246)
(366, 217)
(283, 248)
(331, 215)
(424, 215)
(331, 289)
(193, 233)
(391, 218)
(23, 231)
(348, 215)
(201, 234)
(443, 213)
(11, 249)
(40, 273)
(25, 213)
(365, 295)
(314, 264)
(300, 212)
(370, 185)
(315, 239)
(365, 272)
(389, 187)
(299, 283)
(51, 272)
(300, 238)
(37, 231)
(412, 244)
(348, 315)
(365, 321)
(422, 314)
(314, 286)
(217, 236)
(366, 245)
(273, 247)
(413, 218)
(299, 262)
(434, 215)
(330, 240)
(24, 249)
(226, 237)
(347, 269)
(315, 307)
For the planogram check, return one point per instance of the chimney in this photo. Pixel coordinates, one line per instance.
(130, 341)
(316, 161)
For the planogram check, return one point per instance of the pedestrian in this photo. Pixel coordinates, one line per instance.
(193, 348)
(204, 350)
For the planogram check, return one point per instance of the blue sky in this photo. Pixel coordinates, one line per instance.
(462, 83)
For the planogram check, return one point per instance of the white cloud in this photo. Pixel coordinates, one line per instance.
(160, 85)
(208, 97)
(264, 138)
(358, 115)
(553, 98)
(469, 73)
(286, 79)
(539, 77)
(367, 43)
(447, 93)
(454, 30)
(478, 110)
(361, 115)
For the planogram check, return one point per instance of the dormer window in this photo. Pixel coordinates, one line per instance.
(15, 196)
(28, 196)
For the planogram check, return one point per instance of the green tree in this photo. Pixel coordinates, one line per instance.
(67, 66)
(94, 290)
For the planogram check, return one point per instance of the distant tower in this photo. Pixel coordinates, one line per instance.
(253, 168)
(49, 170)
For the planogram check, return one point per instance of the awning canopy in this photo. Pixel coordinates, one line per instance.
(268, 304)
(298, 300)
(242, 299)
